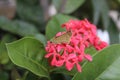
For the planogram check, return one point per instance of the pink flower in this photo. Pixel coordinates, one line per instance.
(72, 53)
(70, 61)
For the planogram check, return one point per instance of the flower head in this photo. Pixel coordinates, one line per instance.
(70, 51)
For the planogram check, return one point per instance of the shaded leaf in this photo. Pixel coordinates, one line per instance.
(28, 2)
(57, 4)
(15, 75)
(64, 70)
(31, 11)
(28, 53)
(4, 76)
(101, 10)
(105, 63)
(24, 29)
(67, 77)
(57, 77)
(4, 59)
(31, 76)
(70, 5)
(113, 33)
(17, 27)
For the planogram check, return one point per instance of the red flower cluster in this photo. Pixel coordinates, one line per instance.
(83, 35)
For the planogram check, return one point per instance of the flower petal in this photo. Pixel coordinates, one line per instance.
(88, 57)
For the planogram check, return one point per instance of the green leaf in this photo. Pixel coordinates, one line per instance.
(64, 70)
(119, 1)
(4, 75)
(90, 50)
(29, 54)
(54, 25)
(4, 59)
(31, 76)
(105, 65)
(113, 33)
(41, 38)
(17, 27)
(57, 4)
(24, 29)
(70, 5)
(101, 10)
(31, 11)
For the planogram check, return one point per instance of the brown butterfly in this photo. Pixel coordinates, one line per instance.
(64, 38)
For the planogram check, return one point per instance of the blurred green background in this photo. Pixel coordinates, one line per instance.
(20, 18)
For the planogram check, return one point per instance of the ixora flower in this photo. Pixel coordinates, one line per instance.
(68, 47)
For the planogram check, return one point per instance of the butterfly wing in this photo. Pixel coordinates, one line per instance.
(64, 38)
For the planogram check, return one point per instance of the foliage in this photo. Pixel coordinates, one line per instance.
(24, 58)
(103, 65)
(28, 53)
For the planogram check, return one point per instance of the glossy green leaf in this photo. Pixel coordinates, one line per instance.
(69, 6)
(101, 10)
(29, 54)
(113, 33)
(54, 25)
(105, 65)
(17, 27)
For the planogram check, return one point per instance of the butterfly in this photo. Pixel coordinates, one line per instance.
(64, 38)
